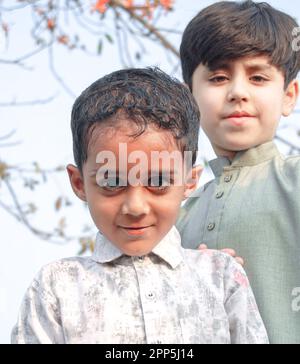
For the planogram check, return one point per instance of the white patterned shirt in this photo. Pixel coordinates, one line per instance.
(172, 295)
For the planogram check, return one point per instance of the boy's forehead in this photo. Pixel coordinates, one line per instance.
(151, 137)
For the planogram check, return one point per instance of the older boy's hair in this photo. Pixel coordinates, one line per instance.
(228, 30)
(144, 96)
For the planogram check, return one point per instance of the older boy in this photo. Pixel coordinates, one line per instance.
(237, 59)
(137, 286)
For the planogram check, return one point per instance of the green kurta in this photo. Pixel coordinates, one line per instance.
(253, 206)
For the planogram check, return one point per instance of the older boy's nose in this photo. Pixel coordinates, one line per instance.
(237, 91)
(135, 203)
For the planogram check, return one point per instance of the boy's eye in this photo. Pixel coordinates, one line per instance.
(159, 182)
(259, 79)
(218, 79)
(111, 184)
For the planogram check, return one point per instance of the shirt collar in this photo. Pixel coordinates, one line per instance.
(250, 157)
(168, 249)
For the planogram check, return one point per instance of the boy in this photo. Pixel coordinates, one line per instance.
(137, 286)
(237, 59)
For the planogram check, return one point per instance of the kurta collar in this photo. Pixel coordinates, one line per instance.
(250, 157)
(168, 249)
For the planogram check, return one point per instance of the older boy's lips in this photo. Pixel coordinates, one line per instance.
(238, 118)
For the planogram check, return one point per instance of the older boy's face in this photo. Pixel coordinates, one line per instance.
(126, 208)
(241, 103)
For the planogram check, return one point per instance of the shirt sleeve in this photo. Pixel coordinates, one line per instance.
(245, 323)
(38, 321)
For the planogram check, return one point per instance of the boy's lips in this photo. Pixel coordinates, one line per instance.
(135, 229)
(238, 118)
(239, 114)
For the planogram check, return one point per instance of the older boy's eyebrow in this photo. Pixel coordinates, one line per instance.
(251, 66)
(259, 67)
(219, 66)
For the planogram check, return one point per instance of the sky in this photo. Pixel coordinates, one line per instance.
(42, 134)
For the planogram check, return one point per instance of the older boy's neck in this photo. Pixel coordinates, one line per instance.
(225, 153)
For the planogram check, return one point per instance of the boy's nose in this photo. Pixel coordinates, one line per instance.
(237, 91)
(135, 203)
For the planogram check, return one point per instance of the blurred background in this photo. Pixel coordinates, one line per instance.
(49, 52)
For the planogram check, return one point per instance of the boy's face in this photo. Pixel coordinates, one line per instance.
(241, 103)
(133, 217)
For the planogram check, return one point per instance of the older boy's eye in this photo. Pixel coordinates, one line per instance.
(218, 79)
(259, 79)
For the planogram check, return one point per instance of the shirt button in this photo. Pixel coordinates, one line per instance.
(211, 226)
(228, 178)
(219, 194)
(140, 259)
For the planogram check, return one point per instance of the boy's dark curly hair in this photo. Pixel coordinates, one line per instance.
(143, 96)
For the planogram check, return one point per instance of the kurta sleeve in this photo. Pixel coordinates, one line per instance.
(245, 323)
(39, 320)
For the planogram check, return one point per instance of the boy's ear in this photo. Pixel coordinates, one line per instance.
(192, 181)
(290, 98)
(76, 181)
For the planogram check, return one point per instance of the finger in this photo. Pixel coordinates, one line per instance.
(202, 246)
(240, 260)
(229, 251)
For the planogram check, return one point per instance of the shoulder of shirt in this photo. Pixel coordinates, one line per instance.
(291, 159)
(216, 262)
(200, 190)
(211, 256)
(290, 167)
(63, 266)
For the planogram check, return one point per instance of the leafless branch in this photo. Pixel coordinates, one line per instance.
(19, 61)
(152, 30)
(28, 103)
(57, 76)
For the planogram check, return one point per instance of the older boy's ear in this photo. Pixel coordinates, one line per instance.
(290, 98)
(192, 180)
(76, 181)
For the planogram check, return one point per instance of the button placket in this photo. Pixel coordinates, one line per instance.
(228, 178)
(219, 194)
(211, 226)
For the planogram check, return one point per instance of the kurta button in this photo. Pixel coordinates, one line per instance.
(211, 226)
(219, 194)
(228, 178)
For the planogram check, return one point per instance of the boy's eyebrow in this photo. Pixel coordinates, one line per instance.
(172, 172)
(219, 66)
(259, 67)
(251, 66)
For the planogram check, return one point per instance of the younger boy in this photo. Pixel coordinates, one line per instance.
(237, 59)
(137, 286)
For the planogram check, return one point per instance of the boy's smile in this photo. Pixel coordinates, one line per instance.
(241, 102)
(133, 217)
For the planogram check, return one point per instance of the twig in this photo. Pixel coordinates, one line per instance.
(28, 103)
(56, 75)
(166, 44)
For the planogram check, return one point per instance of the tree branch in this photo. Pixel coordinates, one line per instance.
(165, 43)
